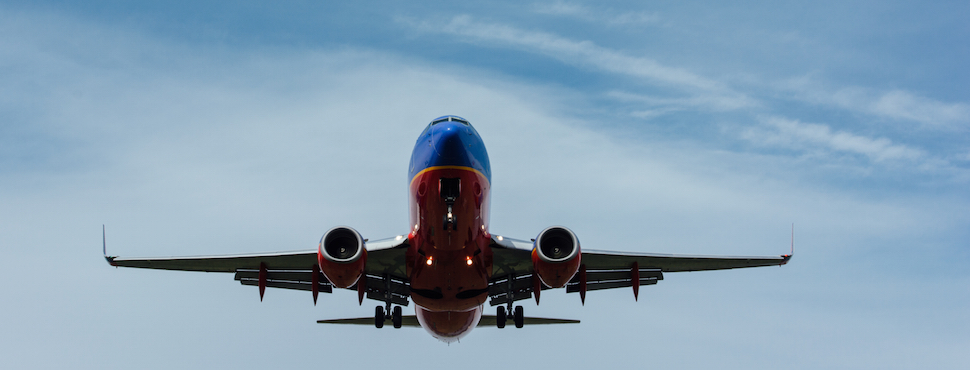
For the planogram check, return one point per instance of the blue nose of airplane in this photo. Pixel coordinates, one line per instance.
(450, 142)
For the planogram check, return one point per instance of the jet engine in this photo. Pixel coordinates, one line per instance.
(342, 256)
(556, 256)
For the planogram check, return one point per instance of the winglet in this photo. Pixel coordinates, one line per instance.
(104, 248)
(792, 253)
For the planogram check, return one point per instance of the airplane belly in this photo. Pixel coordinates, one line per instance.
(450, 260)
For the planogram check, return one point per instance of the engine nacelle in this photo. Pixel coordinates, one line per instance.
(556, 256)
(342, 256)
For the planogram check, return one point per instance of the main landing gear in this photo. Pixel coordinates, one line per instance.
(380, 317)
(518, 316)
(380, 313)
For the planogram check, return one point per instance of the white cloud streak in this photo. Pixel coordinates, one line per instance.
(578, 11)
(587, 53)
(709, 102)
(903, 105)
(782, 132)
(896, 104)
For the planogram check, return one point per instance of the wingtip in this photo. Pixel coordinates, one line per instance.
(785, 259)
(792, 251)
(104, 248)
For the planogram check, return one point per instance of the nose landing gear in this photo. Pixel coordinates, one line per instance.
(450, 189)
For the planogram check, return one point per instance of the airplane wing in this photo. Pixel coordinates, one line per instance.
(386, 277)
(385, 270)
(512, 271)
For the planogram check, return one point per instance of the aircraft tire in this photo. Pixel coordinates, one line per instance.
(396, 317)
(500, 317)
(519, 317)
(379, 317)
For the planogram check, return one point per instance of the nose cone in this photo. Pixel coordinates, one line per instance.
(450, 142)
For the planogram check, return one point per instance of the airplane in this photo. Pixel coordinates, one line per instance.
(449, 263)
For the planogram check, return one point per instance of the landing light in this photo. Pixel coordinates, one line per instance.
(468, 260)
(429, 262)
(499, 238)
(398, 237)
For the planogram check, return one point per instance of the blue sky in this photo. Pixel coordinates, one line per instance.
(208, 128)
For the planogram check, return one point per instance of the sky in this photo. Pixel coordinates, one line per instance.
(196, 128)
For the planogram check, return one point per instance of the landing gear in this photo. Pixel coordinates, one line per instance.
(449, 189)
(380, 317)
(501, 313)
(381, 313)
(396, 317)
(518, 317)
(500, 317)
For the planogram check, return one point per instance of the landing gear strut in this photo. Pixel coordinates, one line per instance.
(501, 313)
(379, 312)
(450, 189)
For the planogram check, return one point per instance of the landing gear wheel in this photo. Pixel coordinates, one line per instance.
(519, 317)
(379, 317)
(396, 317)
(500, 316)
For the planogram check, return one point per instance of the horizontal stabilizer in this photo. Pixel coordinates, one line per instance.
(409, 321)
(489, 320)
(412, 321)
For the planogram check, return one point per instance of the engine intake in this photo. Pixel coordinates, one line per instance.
(342, 256)
(556, 256)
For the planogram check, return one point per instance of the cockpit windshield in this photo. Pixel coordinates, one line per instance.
(450, 119)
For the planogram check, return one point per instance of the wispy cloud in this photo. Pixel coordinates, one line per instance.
(783, 132)
(903, 105)
(608, 16)
(896, 104)
(587, 53)
(697, 101)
